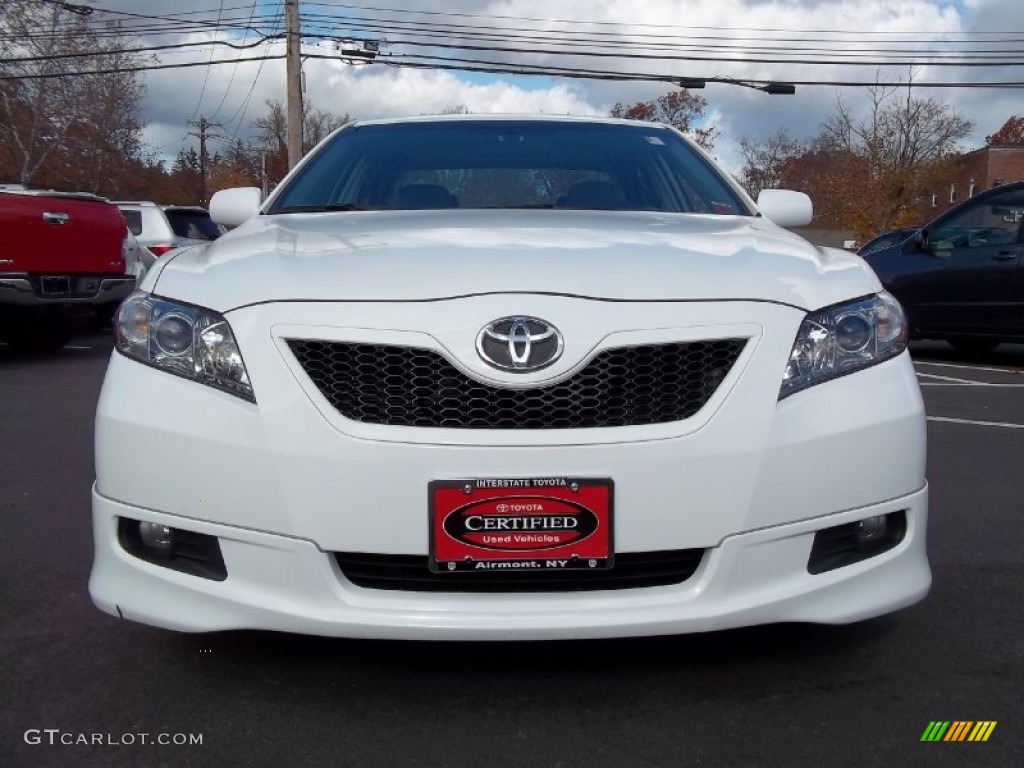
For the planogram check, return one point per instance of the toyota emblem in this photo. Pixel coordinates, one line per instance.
(519, 344)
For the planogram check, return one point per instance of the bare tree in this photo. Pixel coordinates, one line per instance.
(318, 124)
(73, 128)
(894, 155)
(765, 162)
(272, 127)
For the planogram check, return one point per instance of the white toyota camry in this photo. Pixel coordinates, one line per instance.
(508, 378)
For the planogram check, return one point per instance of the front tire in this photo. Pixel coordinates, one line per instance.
(37, 333)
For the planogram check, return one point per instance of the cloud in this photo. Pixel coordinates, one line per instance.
(234, 95)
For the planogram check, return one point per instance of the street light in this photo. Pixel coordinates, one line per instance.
(779, 89)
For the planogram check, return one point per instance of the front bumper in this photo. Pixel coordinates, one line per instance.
(288, 584)
(287, 481)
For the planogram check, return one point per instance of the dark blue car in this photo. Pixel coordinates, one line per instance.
(961, 277)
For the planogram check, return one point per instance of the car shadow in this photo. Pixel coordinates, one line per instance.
(701, 653)
(1003, 356)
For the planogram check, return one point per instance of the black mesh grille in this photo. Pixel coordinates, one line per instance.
(632, 570)
(404, 386)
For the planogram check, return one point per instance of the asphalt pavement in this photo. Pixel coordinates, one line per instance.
(784, 695)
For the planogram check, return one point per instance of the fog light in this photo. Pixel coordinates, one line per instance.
(157, 537)
(842, 545)
(870, 529)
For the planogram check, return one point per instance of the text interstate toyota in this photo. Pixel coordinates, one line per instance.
(498, 378)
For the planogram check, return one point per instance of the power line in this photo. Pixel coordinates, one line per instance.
(601, 37)
(468, 65)
(244, 108)
(146, 49)
(206, 77)
(330, 23)
(457, 64)
(141, 68)
(81, 10)
(712, 59)
(234, 70)
(623, 25)
(502, 46)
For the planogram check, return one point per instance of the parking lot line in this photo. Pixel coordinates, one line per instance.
(969, 367)
(972, 422)
(950, 381)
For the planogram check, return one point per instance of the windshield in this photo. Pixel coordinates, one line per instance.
(509, 164)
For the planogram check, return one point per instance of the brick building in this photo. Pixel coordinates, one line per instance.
(977, 171)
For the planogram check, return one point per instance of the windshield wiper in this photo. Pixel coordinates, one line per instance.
(513, 207)
(323, 208)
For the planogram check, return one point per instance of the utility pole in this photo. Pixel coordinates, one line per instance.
(204, 127)
(263, 175)
(293, 64)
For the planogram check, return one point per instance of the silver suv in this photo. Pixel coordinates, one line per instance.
(160, 228)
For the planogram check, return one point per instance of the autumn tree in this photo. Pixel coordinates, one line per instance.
(904, 145)
(237, 166)
(58, 126)
(682, 109)
(1010, 135)
(869, 171)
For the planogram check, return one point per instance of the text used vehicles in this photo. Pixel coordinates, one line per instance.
(57, 251)
(495, 378)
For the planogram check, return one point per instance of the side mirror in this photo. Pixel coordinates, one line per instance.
(920, 239)
(785, 207)
(232, 207)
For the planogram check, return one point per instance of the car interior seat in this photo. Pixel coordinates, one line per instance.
(599, 195)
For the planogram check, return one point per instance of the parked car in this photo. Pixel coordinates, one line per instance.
(885, 240)
(488, 378)
(961, 277)
(58, 251)
(162, 228)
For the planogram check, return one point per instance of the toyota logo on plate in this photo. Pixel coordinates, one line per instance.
(519, 344)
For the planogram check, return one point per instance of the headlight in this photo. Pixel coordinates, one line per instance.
(189, 341)
(847, 337)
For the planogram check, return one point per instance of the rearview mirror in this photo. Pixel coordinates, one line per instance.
(232, 207)
(785, 207)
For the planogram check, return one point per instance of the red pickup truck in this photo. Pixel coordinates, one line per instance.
(57, 251)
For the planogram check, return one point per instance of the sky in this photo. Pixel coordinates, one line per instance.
(235, 94)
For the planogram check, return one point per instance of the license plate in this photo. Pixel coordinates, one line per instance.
(520, 524)
(54, 286)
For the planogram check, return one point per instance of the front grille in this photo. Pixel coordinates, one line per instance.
(632, 570)
(410, 387)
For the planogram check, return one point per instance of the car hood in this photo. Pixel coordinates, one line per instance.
(424, 255)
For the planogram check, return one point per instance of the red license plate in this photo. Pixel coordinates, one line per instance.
(519, 524)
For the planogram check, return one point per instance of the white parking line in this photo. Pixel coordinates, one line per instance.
(969, 367)
(70, 347)
(949, 420)
(949, 381)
